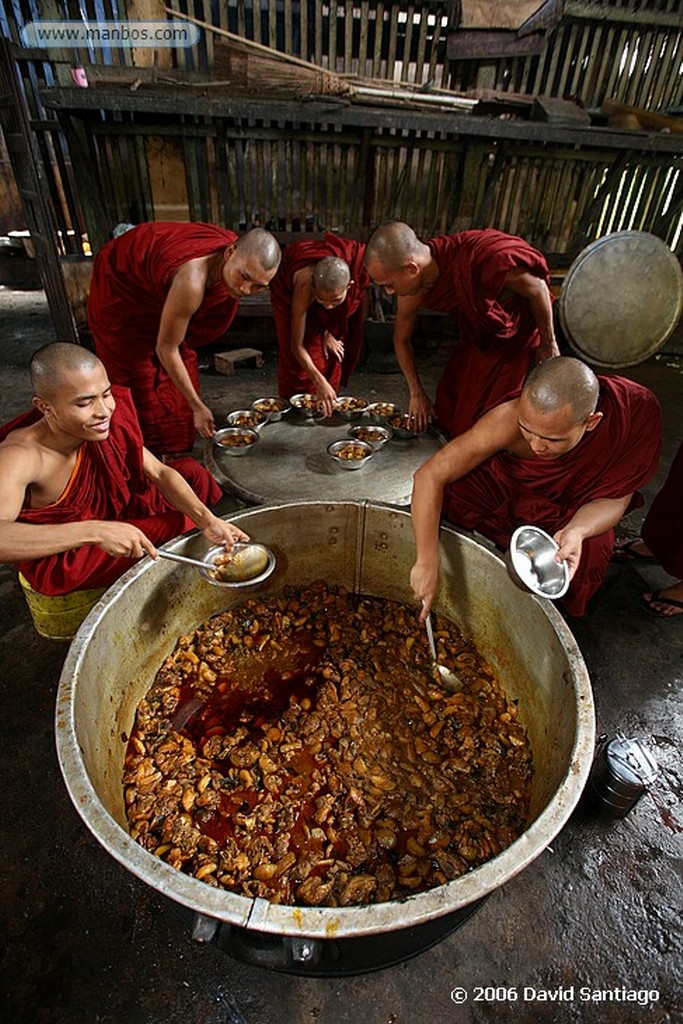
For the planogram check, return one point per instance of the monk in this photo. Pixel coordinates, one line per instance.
(495, 286)
(82, 498)
(160, 291)
(566, 453)
(319, 303)
(661, 541)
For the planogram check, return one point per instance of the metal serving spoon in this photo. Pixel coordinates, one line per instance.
(450, 680)
(182, 558)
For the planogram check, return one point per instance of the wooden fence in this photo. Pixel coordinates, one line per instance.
(114, 159)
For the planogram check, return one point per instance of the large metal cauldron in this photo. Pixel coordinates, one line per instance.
(369, 549)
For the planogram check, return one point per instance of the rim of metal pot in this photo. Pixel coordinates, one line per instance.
(316, 922)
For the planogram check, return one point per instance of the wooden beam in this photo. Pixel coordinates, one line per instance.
(479, 44)
(554, 11)
(329, 111)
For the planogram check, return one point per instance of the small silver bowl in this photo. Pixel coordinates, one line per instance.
(272, 408)
(244, 566)
(236, 440)
(350, 454)
(400, 426)
(246, 418)
(373, 435)
(349, 408)
(307, 405)
(380, 412)
(531, 563)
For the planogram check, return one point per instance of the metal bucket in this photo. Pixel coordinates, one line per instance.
(623, 770)
(369, 549)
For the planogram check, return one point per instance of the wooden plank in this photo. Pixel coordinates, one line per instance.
(379, 35)
(421, 46)
(348, 35)
(478, 44)
(364, 59)
(407, 46)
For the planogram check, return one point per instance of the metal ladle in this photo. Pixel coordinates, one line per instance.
(182, 558)
(450, 680)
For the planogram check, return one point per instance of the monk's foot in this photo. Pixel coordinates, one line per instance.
(632, 551)
(666, 603)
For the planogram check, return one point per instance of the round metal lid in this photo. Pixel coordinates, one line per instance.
(631, 762)
(621, 299)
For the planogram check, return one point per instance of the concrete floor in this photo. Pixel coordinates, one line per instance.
(599, 911)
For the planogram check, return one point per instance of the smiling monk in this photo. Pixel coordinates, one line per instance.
(82, 498)
(158, 292)
(567, 453)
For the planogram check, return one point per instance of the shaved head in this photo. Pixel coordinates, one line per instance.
(393, 245)
(331, 275)
(52, 363)
(263, 245)
(557, 383)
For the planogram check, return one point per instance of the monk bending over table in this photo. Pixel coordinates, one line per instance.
(319, 304)
(158, 292)
(567, 454)
(82, 498)
(495, 286)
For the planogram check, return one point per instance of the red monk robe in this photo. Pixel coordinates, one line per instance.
(345, 322)
(498, 336)
(662, 530)
(611, 461)
(131, 278)
(108, 484)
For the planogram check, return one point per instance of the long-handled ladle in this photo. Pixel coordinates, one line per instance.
(450, 680)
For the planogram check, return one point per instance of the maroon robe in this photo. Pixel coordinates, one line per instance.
(613, 460)
(345, 322)
(131, 278)
(107, 483)
(497, 333)
(663, 527)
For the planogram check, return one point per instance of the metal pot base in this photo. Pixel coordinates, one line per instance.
(324, 958)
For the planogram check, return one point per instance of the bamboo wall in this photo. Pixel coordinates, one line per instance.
(297, 176)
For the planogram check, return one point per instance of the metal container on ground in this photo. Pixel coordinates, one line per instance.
(368, 548)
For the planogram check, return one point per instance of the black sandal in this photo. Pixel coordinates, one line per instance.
(656, 598)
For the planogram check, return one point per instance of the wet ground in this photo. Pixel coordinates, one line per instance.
(590, 931)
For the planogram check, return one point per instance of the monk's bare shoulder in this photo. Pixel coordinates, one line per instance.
(499, 427)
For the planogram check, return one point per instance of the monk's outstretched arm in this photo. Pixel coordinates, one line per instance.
(19, 468)
(590, 520)
(180, 495)
(420, 406)
(536, 292)
(493, 432)
(301, 299)
(183, 300)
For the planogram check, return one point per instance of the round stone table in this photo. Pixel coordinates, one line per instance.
(290, 463)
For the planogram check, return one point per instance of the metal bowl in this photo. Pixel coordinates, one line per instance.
(531, 563)
(308, 405)
(400, 426)
(349, 408)
(246, 418)
(272, 408)
(373, 435)
(249, 564)
(337, 447)
(380, 412)
(228, 440)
